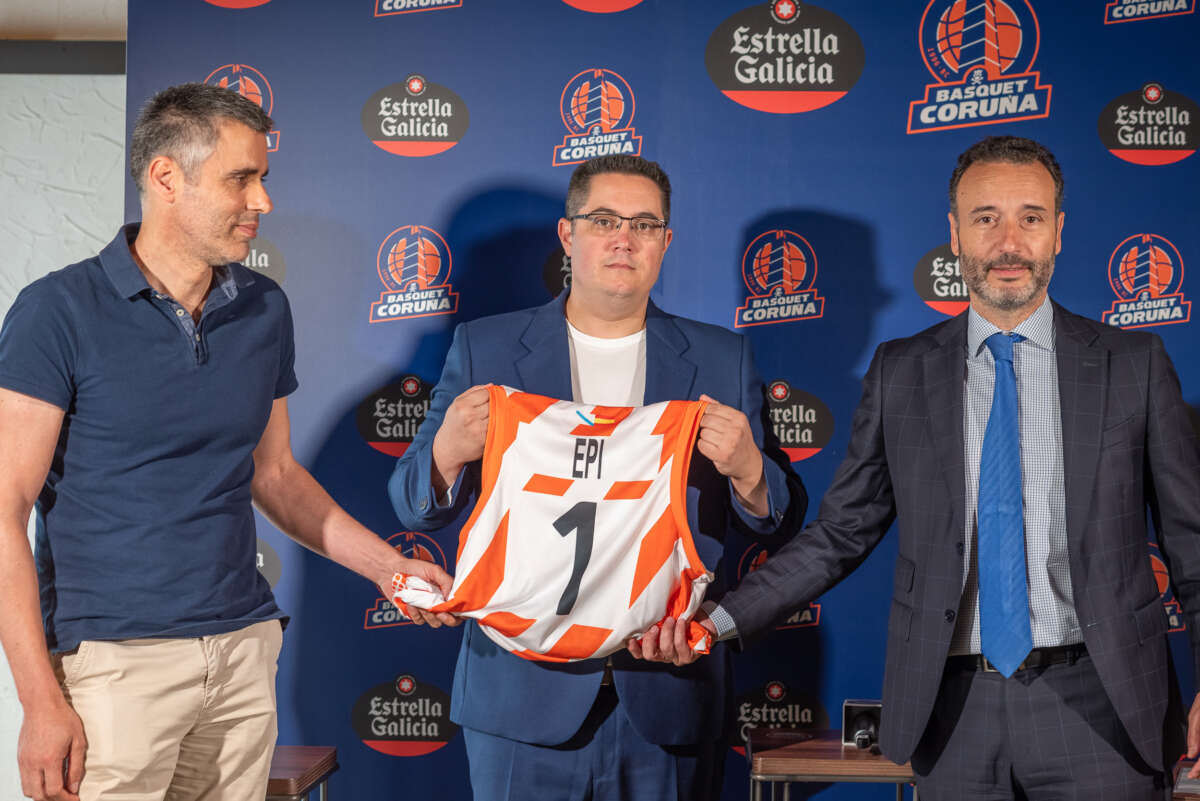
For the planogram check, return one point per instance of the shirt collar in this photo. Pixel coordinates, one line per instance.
(127, 279)
(1037, 328)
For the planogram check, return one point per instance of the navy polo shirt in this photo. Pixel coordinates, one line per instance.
(144, 525)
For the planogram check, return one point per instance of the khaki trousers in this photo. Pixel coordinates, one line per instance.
(189, 719)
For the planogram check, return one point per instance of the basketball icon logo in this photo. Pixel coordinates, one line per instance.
(414, 267)
(597, 109)
(981, 53)
(1146, 273)
(602, 6)
(250, 84)
(237, 4)
(1162, 578)
(412, 545)
(779, 268)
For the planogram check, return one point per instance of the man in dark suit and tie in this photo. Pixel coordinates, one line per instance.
(596, 729)
(1019, 447)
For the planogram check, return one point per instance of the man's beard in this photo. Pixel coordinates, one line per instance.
(974, 273)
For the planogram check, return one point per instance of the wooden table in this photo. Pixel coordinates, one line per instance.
(776, 757)
(297, 769)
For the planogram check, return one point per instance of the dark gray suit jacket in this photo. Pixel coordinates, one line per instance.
(1128, 445)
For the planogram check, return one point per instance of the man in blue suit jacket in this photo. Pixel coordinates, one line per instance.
(602, 729)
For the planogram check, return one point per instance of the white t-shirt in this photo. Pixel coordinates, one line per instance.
(607, 372)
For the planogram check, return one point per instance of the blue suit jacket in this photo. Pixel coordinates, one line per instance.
(1128, 447)
(504, 695)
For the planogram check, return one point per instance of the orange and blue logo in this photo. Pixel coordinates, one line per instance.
(1162, 578)
(981, 53)
(780, 269)
(387, 8)
(414, 267)
(411, 545)
(597, 108)
(1136, 10)
(1146, 274)
(237, 4)
(251, 84)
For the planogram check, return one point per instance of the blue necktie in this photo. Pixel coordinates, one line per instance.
(1003, 595)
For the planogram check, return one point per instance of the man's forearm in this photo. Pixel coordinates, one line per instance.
(21, 624)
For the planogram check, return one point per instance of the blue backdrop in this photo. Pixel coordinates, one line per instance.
(420, 162)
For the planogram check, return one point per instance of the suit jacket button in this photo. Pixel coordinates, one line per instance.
(950, 615)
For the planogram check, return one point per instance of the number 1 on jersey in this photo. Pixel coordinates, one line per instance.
(580, 518)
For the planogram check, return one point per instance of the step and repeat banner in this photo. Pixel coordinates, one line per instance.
(418, 167)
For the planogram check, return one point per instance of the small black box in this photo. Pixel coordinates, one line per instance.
(860, 722)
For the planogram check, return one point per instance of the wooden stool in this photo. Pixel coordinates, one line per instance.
(297, 769)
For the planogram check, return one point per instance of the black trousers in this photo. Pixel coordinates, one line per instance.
(1045, 734)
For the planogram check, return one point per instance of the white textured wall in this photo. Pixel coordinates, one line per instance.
(62, 157)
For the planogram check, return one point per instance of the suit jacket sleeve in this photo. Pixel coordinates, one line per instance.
(411, 486)
(855, 513)
(1173, 486)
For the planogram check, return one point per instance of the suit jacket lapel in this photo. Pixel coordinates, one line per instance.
(669, 373)
(945, 371)
(545, 366)
(1082, 377)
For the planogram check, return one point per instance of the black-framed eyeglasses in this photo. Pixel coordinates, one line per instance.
(605, 223)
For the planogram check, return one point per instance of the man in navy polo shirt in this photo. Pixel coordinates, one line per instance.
(143, 408)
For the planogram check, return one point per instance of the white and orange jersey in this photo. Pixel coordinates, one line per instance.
(579, 539)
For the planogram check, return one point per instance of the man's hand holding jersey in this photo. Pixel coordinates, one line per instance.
(726, 440)
(460, 438)
(668, 642)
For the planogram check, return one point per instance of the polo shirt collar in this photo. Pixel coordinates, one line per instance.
(127, 279)
(1038, 328)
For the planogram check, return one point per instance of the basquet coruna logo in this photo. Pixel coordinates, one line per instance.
(413, 545)
(1152, 126)
(388, 418)
(415, 118)
(251, 84)
(597, 108)
(414, 267)
(1146, 274)
(784, 57)
(981, 52)
(779, 268)
(1136, 10)
(387, 8)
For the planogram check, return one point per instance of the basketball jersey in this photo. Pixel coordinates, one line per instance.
(579, 539)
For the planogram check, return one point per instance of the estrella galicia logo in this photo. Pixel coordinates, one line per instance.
(389, 418)
(1146, 273)
(1162, 577)
(237, 4)
(777, 706)
(1136, 10)
(1151, 126)
(387, 8)
(415, 118)
(265, 258)
(800, 420)
(414, 266)
(251, 84)
(981, 54)
(597, 108)
(404, 717)
(779, 268)
(412, 545)
(939, 282)
(784, 57)
(752, 559)
(268, 562)
(556, 272)
(602, 6)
